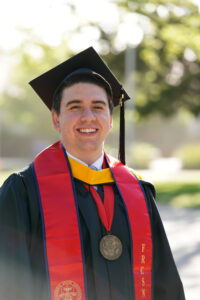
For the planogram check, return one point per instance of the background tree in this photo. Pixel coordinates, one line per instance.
(167, 74)
(168, 59)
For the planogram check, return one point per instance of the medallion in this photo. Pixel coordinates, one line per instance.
(110, 247)
(68, 290)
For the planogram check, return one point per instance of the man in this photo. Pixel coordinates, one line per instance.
(69, 231)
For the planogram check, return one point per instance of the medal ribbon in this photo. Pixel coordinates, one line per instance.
(106, 209)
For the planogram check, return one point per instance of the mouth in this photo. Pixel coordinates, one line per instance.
(87, 130)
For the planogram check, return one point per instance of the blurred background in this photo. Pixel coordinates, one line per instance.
(153, 47)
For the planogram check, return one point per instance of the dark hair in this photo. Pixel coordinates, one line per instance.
(85, 78)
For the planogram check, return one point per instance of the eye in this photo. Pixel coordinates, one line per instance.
(74, 107)
(98, 107)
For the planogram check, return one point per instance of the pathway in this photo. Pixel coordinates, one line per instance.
(183, 231)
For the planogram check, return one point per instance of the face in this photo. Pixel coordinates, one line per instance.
(84, 120)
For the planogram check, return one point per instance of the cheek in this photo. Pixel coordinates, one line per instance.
(109, 122)
(106, 123)
(67, 123)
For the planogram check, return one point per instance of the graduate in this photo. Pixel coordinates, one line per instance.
(78, 224)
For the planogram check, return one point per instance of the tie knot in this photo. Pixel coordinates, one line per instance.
(93, 167)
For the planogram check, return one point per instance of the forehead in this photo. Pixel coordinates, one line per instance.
(84, 91)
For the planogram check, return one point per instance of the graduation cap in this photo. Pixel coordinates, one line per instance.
(49, 82)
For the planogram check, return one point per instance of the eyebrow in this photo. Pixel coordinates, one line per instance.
(72, 102)
(99, 102)
(79, 101)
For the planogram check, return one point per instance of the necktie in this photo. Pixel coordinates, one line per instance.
(94, 168)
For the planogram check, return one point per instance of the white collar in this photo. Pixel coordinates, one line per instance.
(98, 164)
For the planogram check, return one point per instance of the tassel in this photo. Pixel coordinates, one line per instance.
(122, 132)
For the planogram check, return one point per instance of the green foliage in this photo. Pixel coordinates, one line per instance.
(23, 110)
(189, 155)
(141, 154)
(167, 76)
(168, 59)
(180, 194)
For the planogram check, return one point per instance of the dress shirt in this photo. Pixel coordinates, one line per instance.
(97, 165)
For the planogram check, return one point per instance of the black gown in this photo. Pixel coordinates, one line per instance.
(22, 266)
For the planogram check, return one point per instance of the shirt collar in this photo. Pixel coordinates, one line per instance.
(97, 164)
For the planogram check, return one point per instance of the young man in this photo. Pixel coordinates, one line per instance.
(69, 231)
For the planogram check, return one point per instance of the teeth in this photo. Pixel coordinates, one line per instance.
(87, 130)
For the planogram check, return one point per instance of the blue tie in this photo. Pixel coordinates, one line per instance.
(93, 167)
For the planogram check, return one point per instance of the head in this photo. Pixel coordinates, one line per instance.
(83, 77)
(81, 113)
(51, 87)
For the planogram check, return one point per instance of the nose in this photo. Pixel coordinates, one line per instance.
(88, 114)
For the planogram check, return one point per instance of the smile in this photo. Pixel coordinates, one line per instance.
(87, 130)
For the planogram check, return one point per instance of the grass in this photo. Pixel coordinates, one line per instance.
(180, 194)
(176, 193)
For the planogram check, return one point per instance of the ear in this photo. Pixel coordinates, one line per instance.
(55, 120)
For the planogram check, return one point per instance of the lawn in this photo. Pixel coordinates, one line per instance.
(176, 193)
(181, 194)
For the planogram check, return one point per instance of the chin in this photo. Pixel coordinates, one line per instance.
(91, 147)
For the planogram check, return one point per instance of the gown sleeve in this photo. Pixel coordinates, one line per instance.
(14, 242)
(166, 281)
(18, 237)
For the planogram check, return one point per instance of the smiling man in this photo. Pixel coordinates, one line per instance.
(78, 224)
(83, 119)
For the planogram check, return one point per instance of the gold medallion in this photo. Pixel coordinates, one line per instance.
(110, 247)
(67, 290)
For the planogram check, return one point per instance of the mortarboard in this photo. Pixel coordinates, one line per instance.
(46, 84)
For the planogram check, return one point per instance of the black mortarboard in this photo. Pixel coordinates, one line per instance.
(46, 84)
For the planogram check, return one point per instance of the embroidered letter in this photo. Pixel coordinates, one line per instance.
(142, 270)
(143, 282)
(143, 247)
(143, 293)
(143, 259)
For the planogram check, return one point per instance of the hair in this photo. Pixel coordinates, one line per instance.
(83, 77)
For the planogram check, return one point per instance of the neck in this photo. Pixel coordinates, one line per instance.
(84, 157)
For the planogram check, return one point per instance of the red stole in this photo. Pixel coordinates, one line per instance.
(64, 248)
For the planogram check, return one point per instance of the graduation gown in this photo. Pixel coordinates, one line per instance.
(22, 262)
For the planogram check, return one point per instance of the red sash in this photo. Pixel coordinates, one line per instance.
(140, 228)
(61, 222)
